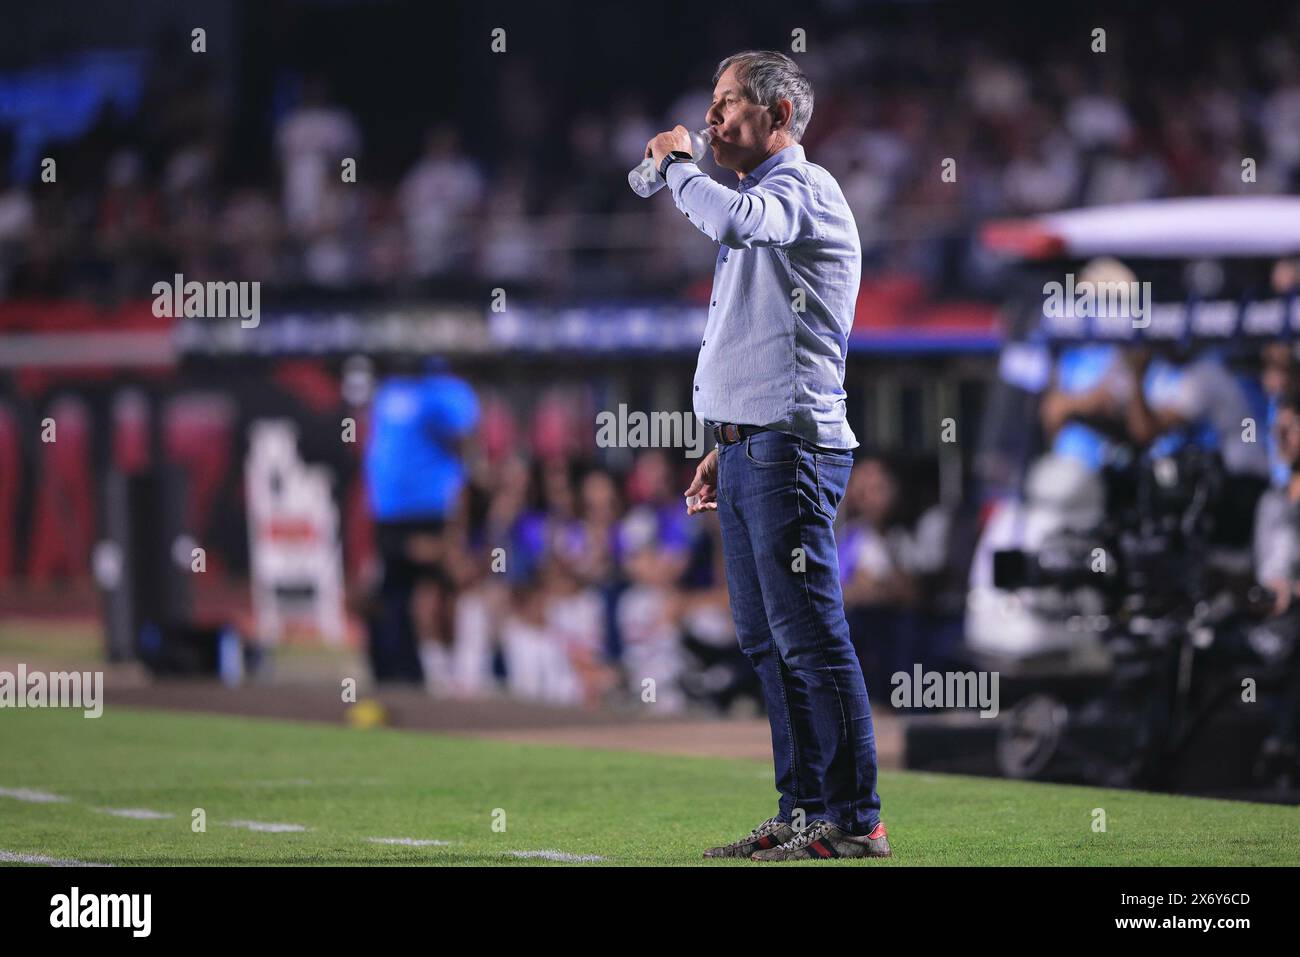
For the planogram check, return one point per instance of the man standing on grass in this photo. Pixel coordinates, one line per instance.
(770, 384)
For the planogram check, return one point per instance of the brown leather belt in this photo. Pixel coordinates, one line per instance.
(728, 433)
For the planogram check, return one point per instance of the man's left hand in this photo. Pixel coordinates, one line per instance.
(678, 138)
(702, 496)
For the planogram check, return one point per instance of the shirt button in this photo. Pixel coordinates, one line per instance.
(702, 342)
(697, 388)
(715, 302)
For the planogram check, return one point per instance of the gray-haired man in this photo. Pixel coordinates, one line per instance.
(770, 382)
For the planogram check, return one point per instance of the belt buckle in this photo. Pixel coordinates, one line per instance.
(731, 433)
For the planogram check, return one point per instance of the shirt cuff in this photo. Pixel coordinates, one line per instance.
(668, 176)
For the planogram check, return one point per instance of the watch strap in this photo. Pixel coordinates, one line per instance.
(676, 156)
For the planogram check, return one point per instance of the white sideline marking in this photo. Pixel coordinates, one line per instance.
(558, 856)
(313, 782)
(136, 813)
(27, 794)
(409, 841)
(268, 828)
(9, 857)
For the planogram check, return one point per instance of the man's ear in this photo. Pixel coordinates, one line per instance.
(782, 111)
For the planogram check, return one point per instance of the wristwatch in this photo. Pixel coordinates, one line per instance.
(676, 156)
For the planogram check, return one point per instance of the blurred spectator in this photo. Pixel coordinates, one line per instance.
(1043, 172)
(1280, 120)
(312, 140)
(509, 240)
(250, 222)
(1277, 377)
(439, 199)
(1277, 567)
(717, 672)
(878, 588)
(871, 566)
(1177, 399)
(576, 622)
(1278, 374)
(1124, 173)
(538, 197)
(653, 542)
(128, 225)
(652, 660)
(415, 476)
(17, 219)
(536, 660)
(1277, 520)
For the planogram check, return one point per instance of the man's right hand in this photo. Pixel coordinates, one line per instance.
(703, 494)
(678, 138)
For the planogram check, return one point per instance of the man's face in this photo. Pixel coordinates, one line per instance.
(742, 130)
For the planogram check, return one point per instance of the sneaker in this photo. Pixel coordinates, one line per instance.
(769, 834)
(821, 839)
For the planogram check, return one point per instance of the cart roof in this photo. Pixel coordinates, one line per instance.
(1217, 226)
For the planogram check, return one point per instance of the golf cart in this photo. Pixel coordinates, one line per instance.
(1113, 589)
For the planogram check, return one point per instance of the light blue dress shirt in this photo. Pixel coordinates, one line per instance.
(784, 289)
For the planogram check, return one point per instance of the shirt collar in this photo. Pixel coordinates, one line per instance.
(791, 154)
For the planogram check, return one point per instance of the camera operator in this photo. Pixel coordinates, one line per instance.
(1080, 408)
(1176, 399)
(1277, 517)
(1082, 411)
(1277, 567)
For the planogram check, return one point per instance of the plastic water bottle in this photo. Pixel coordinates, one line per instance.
(645, 179)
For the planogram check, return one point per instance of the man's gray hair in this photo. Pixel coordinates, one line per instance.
(768, 77)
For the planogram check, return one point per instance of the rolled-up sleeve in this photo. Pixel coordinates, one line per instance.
(776, 212)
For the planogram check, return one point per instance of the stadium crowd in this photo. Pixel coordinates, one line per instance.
(562, 578)
(604, 583)
(167, 188)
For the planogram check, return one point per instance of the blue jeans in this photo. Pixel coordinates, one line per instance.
(777, 498)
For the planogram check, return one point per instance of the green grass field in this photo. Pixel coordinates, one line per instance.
(349, 785)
